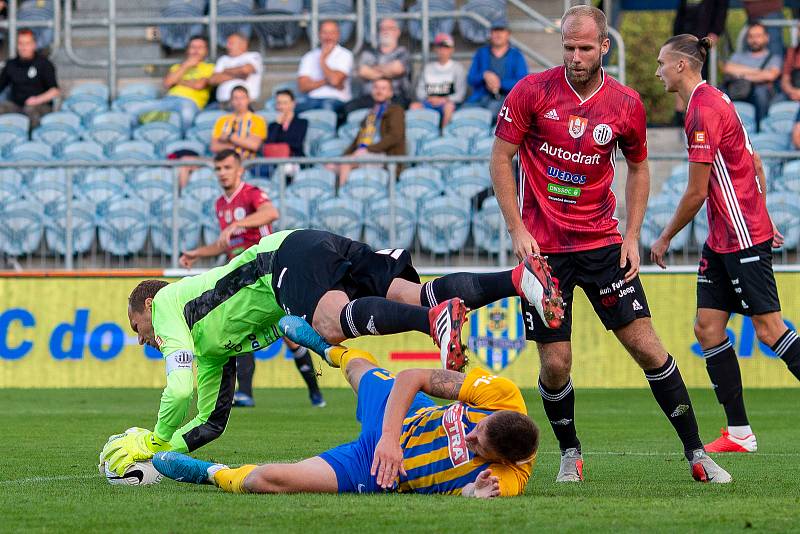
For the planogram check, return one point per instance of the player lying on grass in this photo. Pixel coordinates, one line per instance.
(347, 288)
(482, 445)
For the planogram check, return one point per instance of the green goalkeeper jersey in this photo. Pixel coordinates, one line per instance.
(210, 317)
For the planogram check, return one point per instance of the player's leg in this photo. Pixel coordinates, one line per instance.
(245, 369)
(302, 360)
(783, 340)
(215, 386)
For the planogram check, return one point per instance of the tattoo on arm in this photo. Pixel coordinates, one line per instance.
(446, 384)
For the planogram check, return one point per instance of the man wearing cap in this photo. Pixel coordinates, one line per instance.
(443, 83)
(495, 69)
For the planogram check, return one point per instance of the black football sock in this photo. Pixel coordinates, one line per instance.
(726, 377)
(559, 405)
(245, 369)
(302, 360)
(377, 316)
(476, 290)
(788, 348)
(670, 392)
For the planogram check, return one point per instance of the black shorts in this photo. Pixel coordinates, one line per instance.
(738, 282)
(598, 273)
(309, 263)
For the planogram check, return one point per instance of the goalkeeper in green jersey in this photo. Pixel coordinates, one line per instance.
(344, 287)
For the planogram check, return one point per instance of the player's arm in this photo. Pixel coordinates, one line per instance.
(486, 486)
(265, 214)
(190, 256)
(388, 460)
(637, 189)
(690, 203)
(505, 189)
(777, 237)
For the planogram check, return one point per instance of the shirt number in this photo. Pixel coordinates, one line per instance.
(504, 114)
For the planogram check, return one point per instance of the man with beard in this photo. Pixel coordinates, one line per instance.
(566, 124)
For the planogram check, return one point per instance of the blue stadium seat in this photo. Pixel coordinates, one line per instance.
(64, 118)
(200, 134)
(50, 194)
(321, 118)
(482, 146)
(489, 9)
(83, 229)
(234, 8)
(770, 141)
(203, 190)
(489, 228)
(203, 173)
(787, 107)
(9, 191)
(86, 106)
(295, 213)
(148, 174)
(144, 89)
(436, 25)
(378, 221)
(16, 121)
(316, 173)
(184, 144)
(327, 8)
(420, 183)
(101, 195)
(469, 180)
(279, 34)
(700, 226)
(473, 115)
(444, 146)
(428, 116)
(333, 147)
(55, 135)
(311, 189)
(357, 115)
(155, 193)
(176, 36)
(746, 111)
(21, 227)
(268, 116)
(783, 210)
(38, 10)
(139, 150)
(107, 135)
(779, 124)
(122, 230)
(105, 175)
(31, 151)
(659, 211)
(342, 216)
(11, 177)
(207, 118)
(417, 136)
(118, 119)
(366, 183)
(82, 151)
(158, 134)
(10, 137)
(90, 88)
(383, 8)
(447, 224)
(270, 187)
(348, 131)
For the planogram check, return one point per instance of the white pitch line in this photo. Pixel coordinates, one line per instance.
(36, 480)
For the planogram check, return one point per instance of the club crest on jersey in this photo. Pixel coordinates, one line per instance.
(577, 126)
(497, 334)
(456, 435)
(602, 134)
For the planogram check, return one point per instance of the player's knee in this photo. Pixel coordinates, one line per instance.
(330, 329)
(555, 372)
(266, 479)
(705, 332)
(769, 331)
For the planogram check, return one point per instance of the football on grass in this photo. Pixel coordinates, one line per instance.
(139, 474)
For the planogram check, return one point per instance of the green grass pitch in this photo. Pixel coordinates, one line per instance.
(636, 478)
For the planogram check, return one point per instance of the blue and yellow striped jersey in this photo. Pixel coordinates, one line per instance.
(436, 457)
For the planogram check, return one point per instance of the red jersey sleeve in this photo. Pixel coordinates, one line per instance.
(633, 141)
(257, 197)
(702, 134)
(515, 116)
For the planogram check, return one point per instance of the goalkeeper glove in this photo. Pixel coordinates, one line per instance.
(135, 445)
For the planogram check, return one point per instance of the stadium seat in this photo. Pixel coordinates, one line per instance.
(700, 227)
(176, 36)
(782, 125)
(326, 8)
(489, 228)
(378, 221)
(65, 118)
(38, 10)
(9, 191)
(279, 34)
(31, 151)
(83, 229)
(268, 116)
(482, 146)
(90, 88)
(783, 210)
(469, 180)
(348, 130)
(746, 111)
(321, 118)
(50, 194)
(207, 118)
(200, 134)
(311, 189)
(444, 146)
(787, 107)
(770, 141)
(157, 194)
(11, 177)
(416, 136)
(659, 211)
(83, 151)
(357, 115)
(86, 106)
(101, 195)
(148, 174)
(10, 137)
(295, 213)
(55, 135)
(316, 173)
(184, 144)
(21, 227)
(474, 115)
(140, 150)
(119, 119)
(107, 135)
(122, 230)
(158, 134)
(203, 173)
(436, 25)
(203, 190)
(428, 116)
(209, 227)
(106, 175)
(366, 184)
(446, 224)
(234, 8)
(333, 147)
(342, 216)
(489, 9)
(383, 9)
(16, 121)
(145, 89)
(420, 183)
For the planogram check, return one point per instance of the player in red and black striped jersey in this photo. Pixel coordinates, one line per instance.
(566, 124)
(735, 274)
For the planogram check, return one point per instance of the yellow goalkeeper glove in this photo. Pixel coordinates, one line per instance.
(135, 445)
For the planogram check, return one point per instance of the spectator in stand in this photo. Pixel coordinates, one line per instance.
(382, 132)
(443, 83)
(759, 10)
(758, 66)
(324, 73)
(187, 85)
(495, 69)
(242, 130)
(239, 68)
(285, 136)
(701, 18)
(245, 215)
(790, 78)
(31, 78)
(390, 61)
(796, 132)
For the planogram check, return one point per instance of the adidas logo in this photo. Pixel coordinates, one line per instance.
(371, 326)
(443, 327)
(636, 305)
(679, 410)
(552, 115)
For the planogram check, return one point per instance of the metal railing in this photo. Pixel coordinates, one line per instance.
(660, 163)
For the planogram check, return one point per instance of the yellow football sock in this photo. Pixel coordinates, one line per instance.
(232, 480)
(349, 355)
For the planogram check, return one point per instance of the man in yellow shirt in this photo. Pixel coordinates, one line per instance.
(482, 445)
(242, 130)
(187, 85)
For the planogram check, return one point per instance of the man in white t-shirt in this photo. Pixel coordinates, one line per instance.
(238, 67)
(324, 73)
(443, 83)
